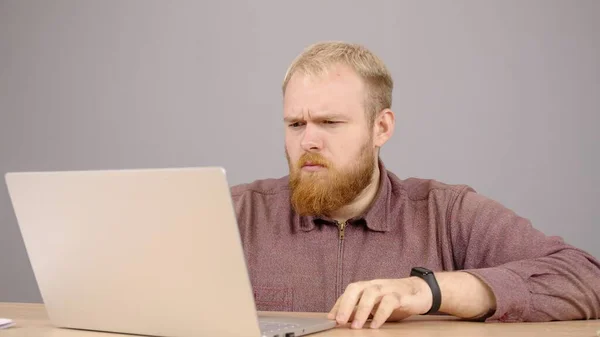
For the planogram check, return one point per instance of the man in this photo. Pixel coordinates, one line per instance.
(343, 234)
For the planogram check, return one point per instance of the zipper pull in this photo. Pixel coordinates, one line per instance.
(342, 228)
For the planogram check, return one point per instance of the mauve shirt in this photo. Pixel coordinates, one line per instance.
(302, 263)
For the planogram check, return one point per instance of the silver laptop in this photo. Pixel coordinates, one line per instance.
(151, 252)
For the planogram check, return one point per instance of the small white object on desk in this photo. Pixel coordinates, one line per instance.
(6, 323)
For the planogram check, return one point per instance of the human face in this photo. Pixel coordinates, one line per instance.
(328, 140)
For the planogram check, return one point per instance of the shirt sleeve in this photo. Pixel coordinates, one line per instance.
(534, 277)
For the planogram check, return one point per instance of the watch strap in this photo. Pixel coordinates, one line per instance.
(428, 276)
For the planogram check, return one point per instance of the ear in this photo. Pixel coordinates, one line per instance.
(383, 128)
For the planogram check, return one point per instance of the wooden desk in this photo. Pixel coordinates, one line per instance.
(31, 320)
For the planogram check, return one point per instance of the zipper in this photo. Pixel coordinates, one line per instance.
(340, 261)
(342, 229)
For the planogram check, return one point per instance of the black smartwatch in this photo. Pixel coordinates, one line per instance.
(428, 276)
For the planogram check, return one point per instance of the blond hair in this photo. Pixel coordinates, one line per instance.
(316, 59)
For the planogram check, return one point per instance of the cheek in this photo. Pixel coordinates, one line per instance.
(349, 151)
(288, 143)
(291, 137)
(291, 149)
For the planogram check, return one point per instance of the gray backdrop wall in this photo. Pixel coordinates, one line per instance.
(501, 95)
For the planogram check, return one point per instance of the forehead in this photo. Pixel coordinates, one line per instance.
(338, 90)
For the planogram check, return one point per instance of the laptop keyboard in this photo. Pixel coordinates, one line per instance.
(275, 327)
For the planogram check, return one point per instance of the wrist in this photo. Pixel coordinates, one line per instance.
(448, 295)
(464, 295)
(423, 292)
(434, 295)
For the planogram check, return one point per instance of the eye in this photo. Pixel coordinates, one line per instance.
(330, 122)
(295, 125)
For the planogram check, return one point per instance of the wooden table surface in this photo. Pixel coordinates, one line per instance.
(31, 321)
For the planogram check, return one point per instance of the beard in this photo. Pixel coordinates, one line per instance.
(329, 189)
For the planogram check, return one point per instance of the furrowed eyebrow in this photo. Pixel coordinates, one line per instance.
(328, 117)
(316, 119)
(292, 119)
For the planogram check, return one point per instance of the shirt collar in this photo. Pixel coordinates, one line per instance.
(376, 216)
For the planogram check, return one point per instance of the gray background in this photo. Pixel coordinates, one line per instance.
(501, 95)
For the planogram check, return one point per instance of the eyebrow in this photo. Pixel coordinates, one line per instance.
(324, 117)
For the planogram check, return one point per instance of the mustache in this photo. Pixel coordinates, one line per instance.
(313, 158)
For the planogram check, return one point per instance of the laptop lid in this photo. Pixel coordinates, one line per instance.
(150, 251)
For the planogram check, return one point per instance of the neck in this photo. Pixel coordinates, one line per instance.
(362, 202)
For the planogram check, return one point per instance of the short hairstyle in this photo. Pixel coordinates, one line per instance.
(316, 59)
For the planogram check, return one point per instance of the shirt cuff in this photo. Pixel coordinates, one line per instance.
(512, 295)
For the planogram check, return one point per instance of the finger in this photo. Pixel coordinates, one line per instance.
(375, 309)
(351, 318)
(388, 304)
(334, 310)
(348, 302)
(371, 295)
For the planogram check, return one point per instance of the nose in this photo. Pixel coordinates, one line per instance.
(311, 141)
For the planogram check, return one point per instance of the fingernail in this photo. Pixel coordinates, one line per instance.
(355, 325)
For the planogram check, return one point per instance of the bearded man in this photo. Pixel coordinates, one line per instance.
(342, 234)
